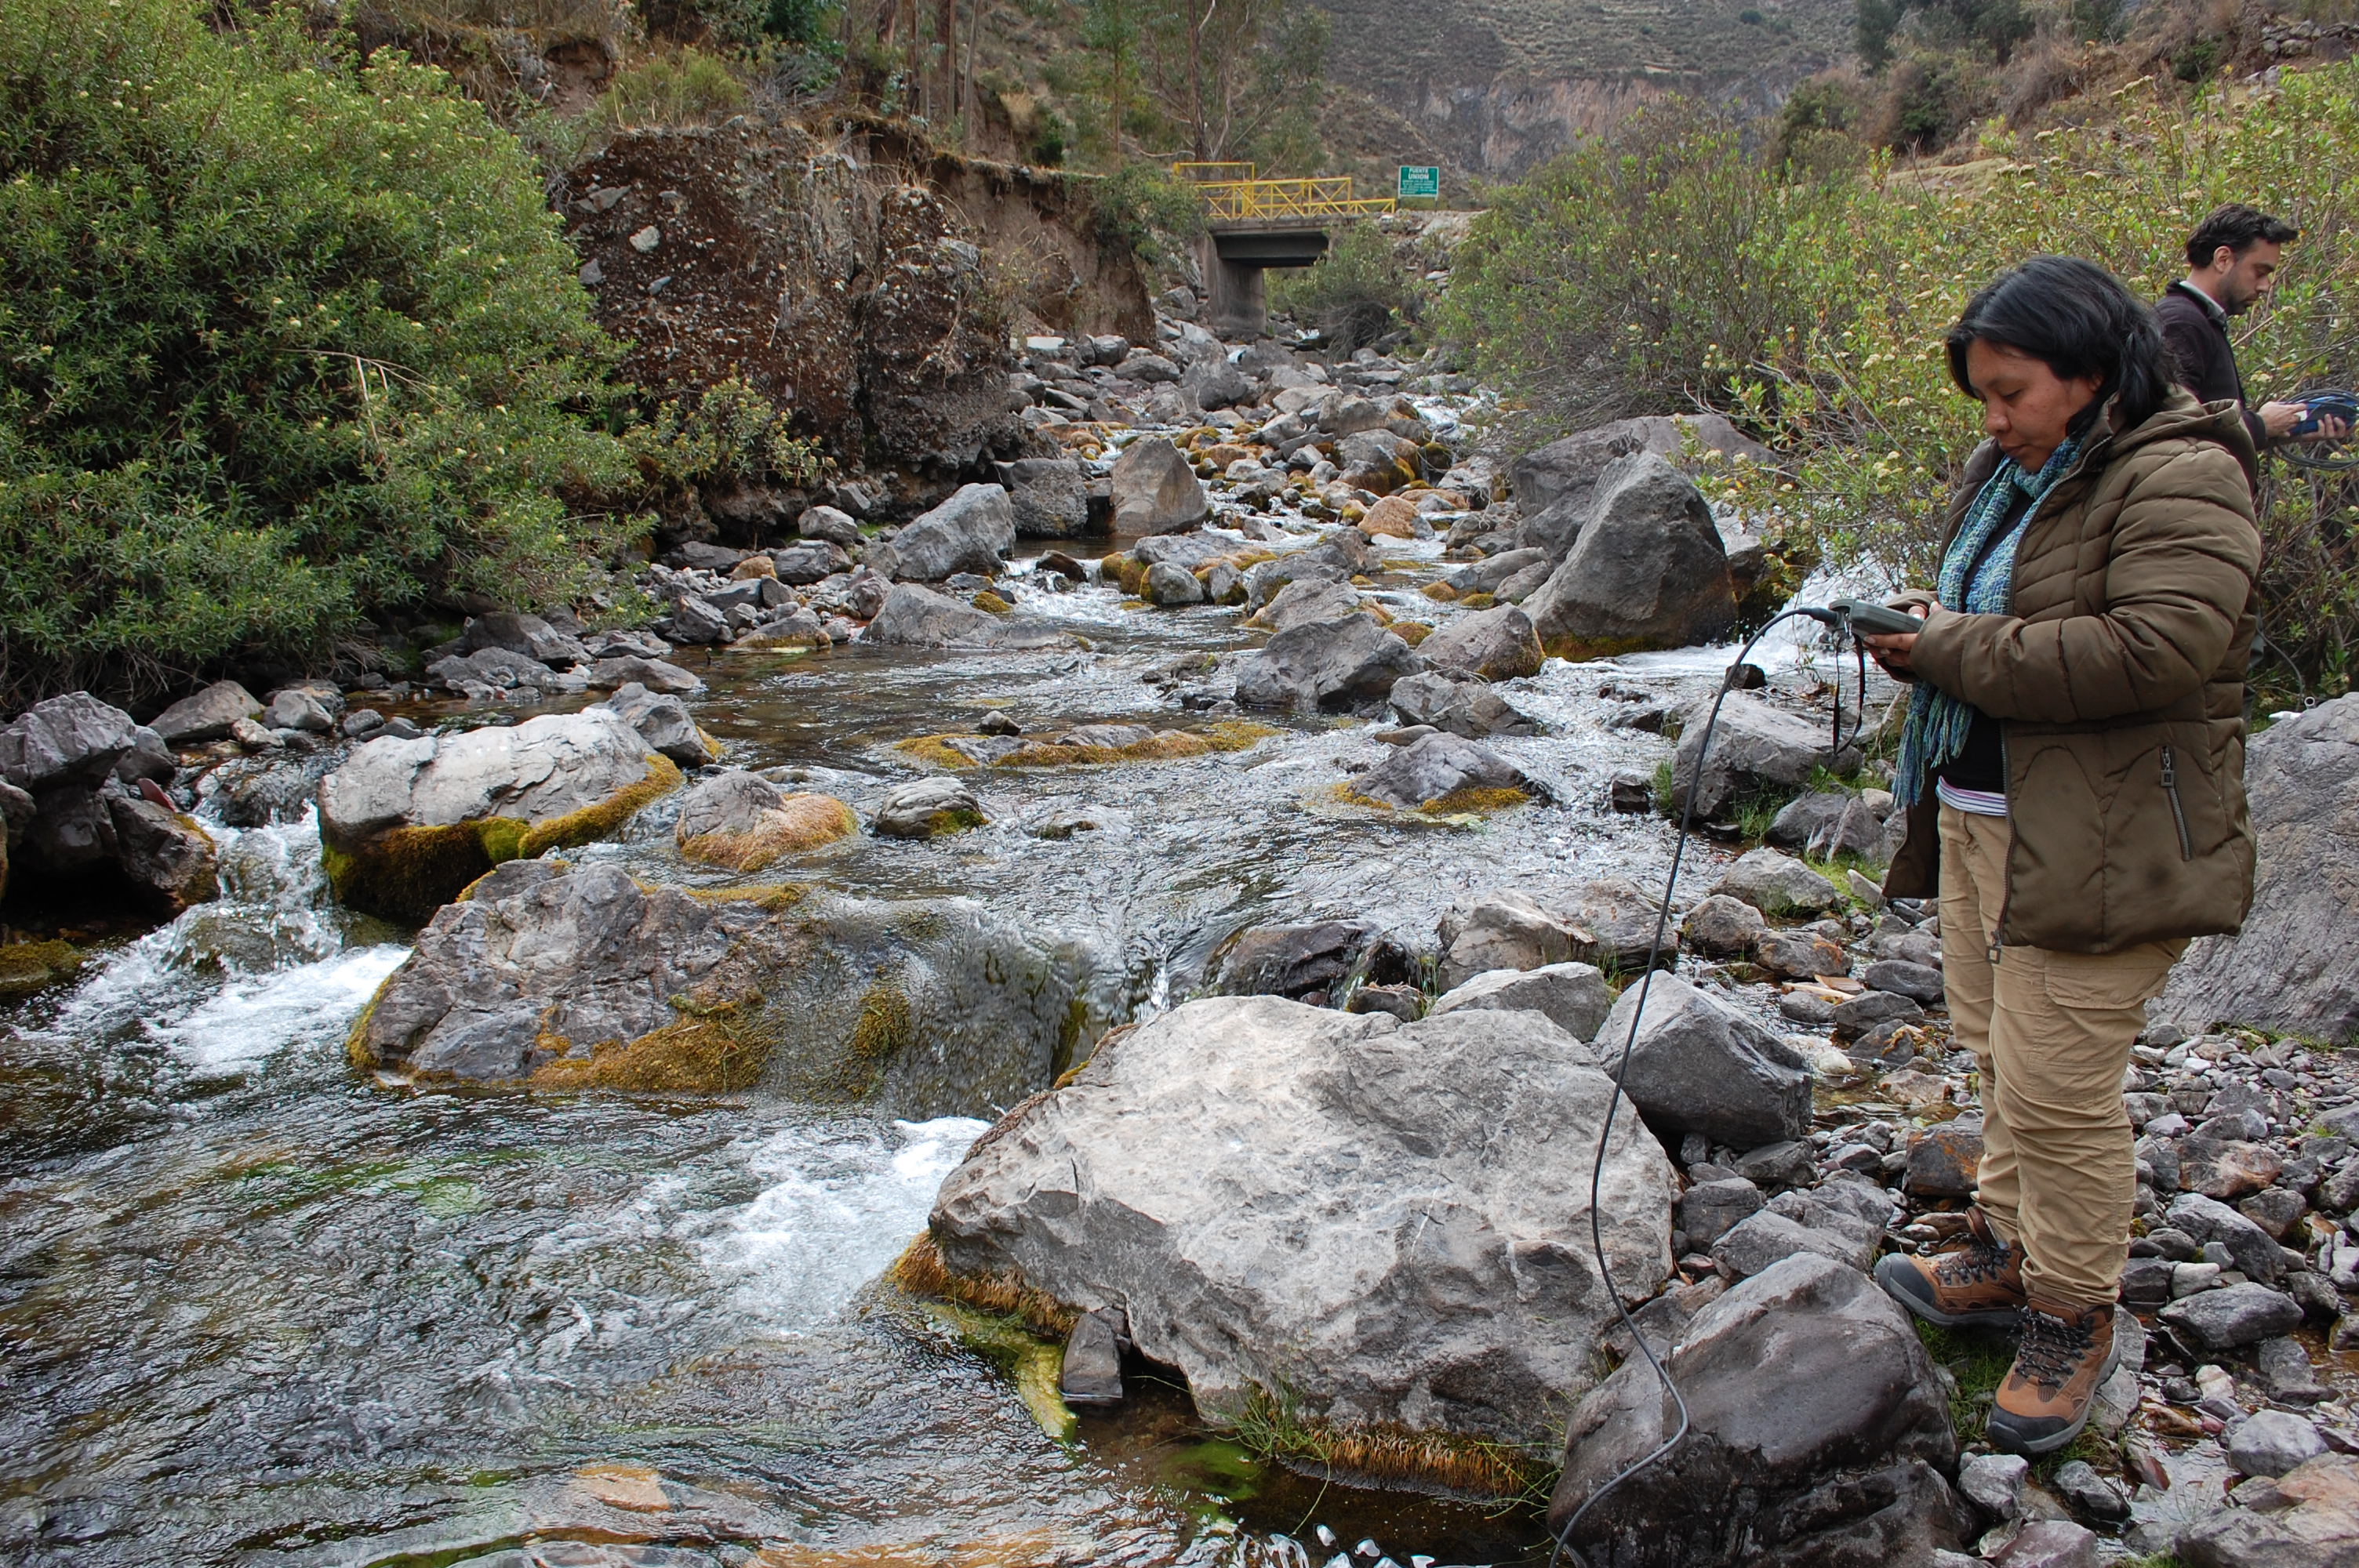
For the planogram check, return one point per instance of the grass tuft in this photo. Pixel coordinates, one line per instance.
(1271, 1426)
(921, 1271)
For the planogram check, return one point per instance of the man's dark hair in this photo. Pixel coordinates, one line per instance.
(2239, 228)
(2077, 318)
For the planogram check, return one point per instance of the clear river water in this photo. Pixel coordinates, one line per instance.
(259, 1308)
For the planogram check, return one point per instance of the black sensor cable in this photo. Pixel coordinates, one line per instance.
(1844, 616)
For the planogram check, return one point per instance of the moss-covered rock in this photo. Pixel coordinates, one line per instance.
(742, 822)
(1086, 745)
(917, 1009)
(29, 966)
(405, 825)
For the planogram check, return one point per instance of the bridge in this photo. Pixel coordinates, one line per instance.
(1252, 224)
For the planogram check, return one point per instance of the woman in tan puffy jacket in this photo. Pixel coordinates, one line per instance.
(2072, 768)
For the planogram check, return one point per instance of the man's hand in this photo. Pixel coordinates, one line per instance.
(2279, 418)
(1892, 649)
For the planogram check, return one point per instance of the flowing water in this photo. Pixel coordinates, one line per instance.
(259, 1308)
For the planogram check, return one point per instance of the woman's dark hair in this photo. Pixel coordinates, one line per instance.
(2075, 317)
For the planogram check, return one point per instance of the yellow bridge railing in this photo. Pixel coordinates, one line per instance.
(1231, 194)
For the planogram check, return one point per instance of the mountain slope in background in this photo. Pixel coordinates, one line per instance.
(1494, 87)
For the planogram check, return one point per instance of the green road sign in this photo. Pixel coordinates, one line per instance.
(1420, 182)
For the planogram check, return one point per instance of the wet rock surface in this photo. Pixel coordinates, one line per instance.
(1124, 1189)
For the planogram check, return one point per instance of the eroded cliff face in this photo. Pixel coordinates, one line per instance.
(870, 290)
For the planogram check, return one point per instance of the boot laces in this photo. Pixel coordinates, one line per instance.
(2053, 1348)
(1976, 1261)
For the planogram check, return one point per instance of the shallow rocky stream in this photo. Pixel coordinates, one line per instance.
(258, 1307)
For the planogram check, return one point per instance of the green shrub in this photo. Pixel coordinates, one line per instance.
(674, 87)
(1355, 293)
(727, 433)
(284, 341)
(1144, 209)
(1641, 272)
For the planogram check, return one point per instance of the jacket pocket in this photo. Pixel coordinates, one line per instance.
(2178, 806)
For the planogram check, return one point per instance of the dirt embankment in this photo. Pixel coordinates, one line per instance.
(865, 282)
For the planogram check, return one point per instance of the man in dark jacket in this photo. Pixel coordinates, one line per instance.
(2231, 261)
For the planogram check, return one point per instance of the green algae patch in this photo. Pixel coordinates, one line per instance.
(1035, 1366)
(407, 874)
(801, 822)
(1412, 632)
(1166, 745)
(1577, 650)
(1478, 602)
(1477, 800)
(710, 1048)
(1438, 591)
(774, 898)
(29, 966)
(988, 600)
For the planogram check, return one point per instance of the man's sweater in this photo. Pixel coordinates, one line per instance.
(2196, 329)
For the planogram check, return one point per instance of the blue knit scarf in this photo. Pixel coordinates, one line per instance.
(1938, 722)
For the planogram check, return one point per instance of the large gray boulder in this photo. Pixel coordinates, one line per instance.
(1461, 703)
(527, 634)
(1648, 570)
(169, 859)
(74, 740)
(1389, 1221)
(2289, 970)
(207, 715)
(1554, 485)
(1498, 645)
(1505, 930)
(1431, 772)
(405, 824)
(1573, 996)
(1328, 666)
(972, 531)
(1155, 491)
(1819, 1437)
(1776, 884)
(1699, 1065)
(1307, 602)
(583, 978)
(1050, 497)
(1754, 746)
(664, 722)
(915, 617)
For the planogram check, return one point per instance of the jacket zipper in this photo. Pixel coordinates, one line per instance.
(2177, 813)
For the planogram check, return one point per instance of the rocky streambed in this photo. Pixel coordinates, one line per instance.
(971, 1041)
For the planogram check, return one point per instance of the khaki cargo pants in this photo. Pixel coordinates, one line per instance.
(2052, 1032)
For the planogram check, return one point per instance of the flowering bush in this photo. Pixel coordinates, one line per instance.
(286, 340)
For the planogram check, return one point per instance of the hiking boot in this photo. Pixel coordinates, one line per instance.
(2063, 1358)
(1978, 1280)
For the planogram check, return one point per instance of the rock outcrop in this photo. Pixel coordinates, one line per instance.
(86, 825)
(1819, 1437)
(405, 824)
(582, 978)
(1444, 773)
(1647, 569)
(1387, 1223)
(915, 617)
(2289, 970)
(1555, 485)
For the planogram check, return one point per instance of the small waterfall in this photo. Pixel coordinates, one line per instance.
(269, 962)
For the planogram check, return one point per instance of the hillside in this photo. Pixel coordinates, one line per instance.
(1497, 86)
